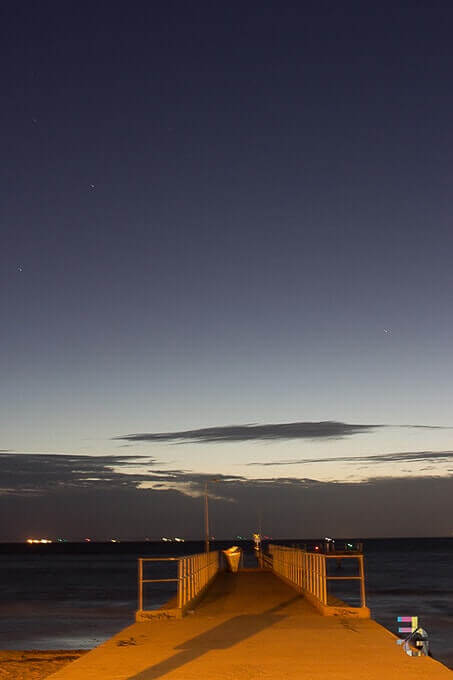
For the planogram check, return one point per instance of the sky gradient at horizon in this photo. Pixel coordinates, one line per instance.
(227, 215)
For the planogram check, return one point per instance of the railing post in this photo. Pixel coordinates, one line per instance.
(140, 584)
(316, 567)
(314, 575)
(180, 584)
(324, 580)
(320, 577)
(187, 580)
(299, 554)
(313, 568)
(194, 576)
(362, 582)
(197, 574)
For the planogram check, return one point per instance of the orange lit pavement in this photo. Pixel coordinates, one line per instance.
(253, 626)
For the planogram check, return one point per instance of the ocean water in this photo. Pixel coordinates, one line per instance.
(75, 596)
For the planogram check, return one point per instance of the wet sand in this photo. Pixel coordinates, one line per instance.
(34, 665)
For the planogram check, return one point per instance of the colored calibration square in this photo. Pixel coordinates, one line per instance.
(413, 620)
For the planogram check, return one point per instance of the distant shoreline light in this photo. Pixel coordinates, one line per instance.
(39, 540)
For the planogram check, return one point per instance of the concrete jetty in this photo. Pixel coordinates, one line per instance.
(249, 626)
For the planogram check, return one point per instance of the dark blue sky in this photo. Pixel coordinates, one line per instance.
(212, 214)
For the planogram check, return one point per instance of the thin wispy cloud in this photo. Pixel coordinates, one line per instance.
(427, 427)
(404, 457)
(324, 429)
(327, 429)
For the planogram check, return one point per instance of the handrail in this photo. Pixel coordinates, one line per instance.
(308, 571)
(195, 573)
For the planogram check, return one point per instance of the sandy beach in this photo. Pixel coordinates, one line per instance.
(34, 665)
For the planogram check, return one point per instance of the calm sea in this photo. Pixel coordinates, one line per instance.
(75, 596)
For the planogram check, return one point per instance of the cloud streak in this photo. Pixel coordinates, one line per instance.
(324, 429)
(327, 429)
(404, 457)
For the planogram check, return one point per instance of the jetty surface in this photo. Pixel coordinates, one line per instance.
(249, 626)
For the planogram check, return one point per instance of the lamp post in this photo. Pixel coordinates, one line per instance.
(206, 514)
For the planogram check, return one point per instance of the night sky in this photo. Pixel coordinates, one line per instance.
(226, 246)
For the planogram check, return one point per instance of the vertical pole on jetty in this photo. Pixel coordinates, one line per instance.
(206, 514)
(206, 517)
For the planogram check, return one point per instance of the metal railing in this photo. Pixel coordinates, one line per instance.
(194, 574)
(308, 571)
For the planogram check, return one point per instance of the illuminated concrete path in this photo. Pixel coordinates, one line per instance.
(253, 626)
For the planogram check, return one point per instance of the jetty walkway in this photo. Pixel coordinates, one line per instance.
(252, 625)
